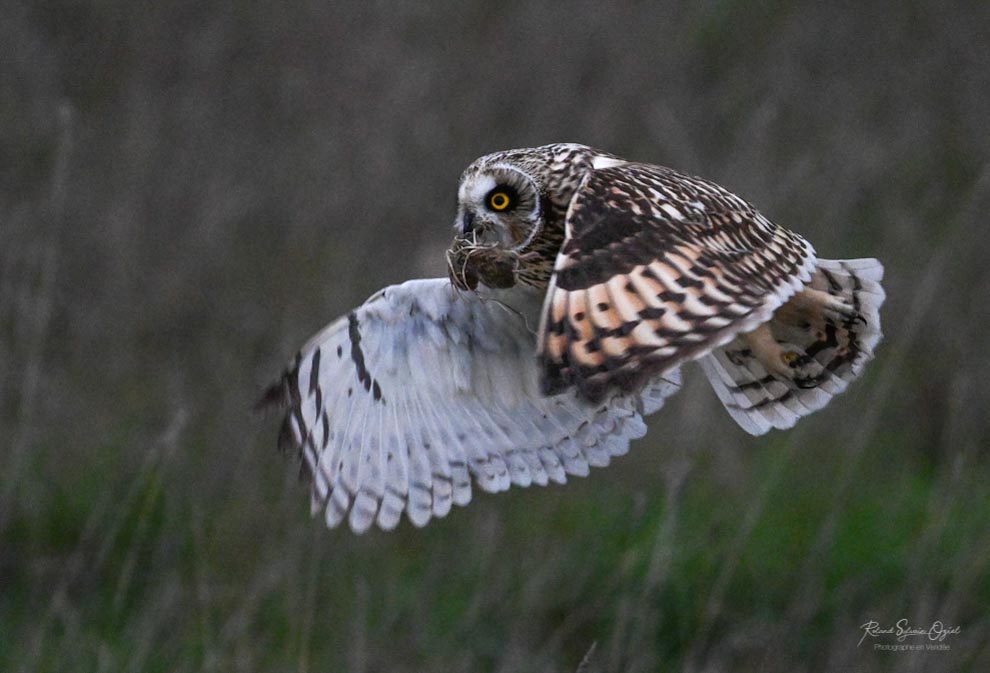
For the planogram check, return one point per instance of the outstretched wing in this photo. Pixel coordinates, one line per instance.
(837, 348)
(658, 268)
(394, 406)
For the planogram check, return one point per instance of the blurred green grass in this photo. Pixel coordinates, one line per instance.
(538, 574)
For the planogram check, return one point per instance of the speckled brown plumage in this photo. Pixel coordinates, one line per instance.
(657, 266)
(644, 267)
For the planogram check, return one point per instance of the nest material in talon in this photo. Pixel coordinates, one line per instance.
(469, 263)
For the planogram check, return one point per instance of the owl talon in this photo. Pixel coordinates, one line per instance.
(810, 304)
(784, 360)
(805, 371)
(795, 359)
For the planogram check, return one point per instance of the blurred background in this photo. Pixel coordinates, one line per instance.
(188, 190)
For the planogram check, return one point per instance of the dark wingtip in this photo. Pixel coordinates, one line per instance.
(279, 396)
(286, 442)
(276, 395)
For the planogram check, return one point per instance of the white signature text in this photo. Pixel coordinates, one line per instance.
(902, 630)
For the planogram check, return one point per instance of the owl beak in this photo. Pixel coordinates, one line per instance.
(467, 223)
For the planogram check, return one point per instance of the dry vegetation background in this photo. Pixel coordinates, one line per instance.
(190, 189)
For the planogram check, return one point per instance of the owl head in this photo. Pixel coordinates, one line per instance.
(510, 213)
(506, 198)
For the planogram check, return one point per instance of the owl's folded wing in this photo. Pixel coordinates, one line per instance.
(394, 406)
(658, 268)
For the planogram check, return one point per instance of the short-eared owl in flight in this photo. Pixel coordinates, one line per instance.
(579, 283)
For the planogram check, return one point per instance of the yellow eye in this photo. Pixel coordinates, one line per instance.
(499, 201)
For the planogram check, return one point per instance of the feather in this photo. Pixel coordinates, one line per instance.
(404, 400)
(658, 269)
(833, 325)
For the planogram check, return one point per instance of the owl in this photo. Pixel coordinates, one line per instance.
(579, 284)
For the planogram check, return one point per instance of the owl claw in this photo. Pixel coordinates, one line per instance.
(783, 359)
(811, 304)
(839, 311)
(805, 371)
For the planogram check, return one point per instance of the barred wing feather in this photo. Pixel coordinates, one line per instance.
(396, 406)
(657, 269)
